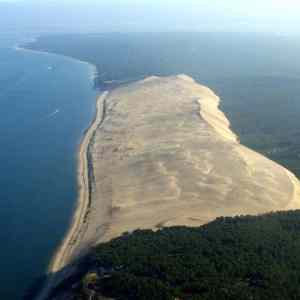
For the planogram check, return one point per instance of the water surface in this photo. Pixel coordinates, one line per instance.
(46, 103)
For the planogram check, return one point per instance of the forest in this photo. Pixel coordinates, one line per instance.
(245, 257)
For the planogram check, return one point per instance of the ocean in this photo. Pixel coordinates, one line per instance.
(47, 101)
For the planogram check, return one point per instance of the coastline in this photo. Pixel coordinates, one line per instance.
(64, 253)
(60, 257)
(20, 48)
(93, 67)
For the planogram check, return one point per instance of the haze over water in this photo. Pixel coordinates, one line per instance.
(47, 102)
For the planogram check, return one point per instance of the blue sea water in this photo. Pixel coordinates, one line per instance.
(46, 103)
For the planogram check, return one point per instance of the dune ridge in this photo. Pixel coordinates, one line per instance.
(211, 113)
(165, 155)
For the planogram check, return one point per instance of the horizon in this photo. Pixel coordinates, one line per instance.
(266, 16)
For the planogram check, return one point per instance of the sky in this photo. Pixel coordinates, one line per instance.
(277, 16)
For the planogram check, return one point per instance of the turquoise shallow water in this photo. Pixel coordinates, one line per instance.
(46, 103)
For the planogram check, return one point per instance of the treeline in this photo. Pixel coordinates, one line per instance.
(231, 258)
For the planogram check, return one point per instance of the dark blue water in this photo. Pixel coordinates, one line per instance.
(46, 102)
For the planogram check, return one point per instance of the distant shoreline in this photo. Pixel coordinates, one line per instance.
(23, 48)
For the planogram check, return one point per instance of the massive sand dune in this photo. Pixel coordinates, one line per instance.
(164, 155)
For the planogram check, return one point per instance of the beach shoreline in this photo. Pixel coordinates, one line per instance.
(64, 253)
(82, 160)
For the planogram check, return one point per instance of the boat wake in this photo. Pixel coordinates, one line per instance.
(53, 114)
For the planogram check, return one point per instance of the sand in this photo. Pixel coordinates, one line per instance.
(77, 226)
(165, 155)
(161, 153)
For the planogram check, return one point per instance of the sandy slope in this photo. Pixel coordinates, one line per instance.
(158, 162)
(162, 154)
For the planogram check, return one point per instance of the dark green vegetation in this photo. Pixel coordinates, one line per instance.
(257, 77)
(204, 56)
(263, 112)
(230, 258)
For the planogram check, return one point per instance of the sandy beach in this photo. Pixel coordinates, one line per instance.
(64, 253)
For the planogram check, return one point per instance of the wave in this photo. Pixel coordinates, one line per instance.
(53, 114)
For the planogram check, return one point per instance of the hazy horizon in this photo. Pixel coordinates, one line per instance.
(264, 16)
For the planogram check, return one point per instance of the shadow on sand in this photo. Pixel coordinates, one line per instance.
(49, 286)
